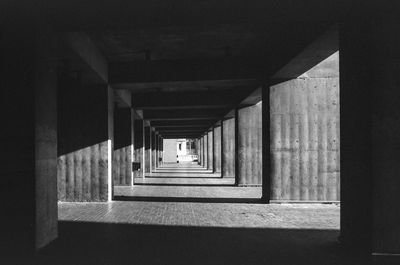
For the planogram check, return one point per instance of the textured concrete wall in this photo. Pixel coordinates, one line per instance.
(217, 149)
(122, 157)
(228, 148)
(210, 150)
(138, 147)
(305, 139)
(83, 146)
(169, 148)
(250, 145)
(147, 149)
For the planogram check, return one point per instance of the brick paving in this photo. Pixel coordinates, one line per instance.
(187, 232)
(299, 216)
(205, 213)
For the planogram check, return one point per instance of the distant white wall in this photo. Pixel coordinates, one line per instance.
(170, 153)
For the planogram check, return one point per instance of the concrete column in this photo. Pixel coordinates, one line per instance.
(85, 140)
(157, 148)
(228, 148)
(28, 143)
(161, 145)
(147, 146)
(198, 150)
(210, 150)
(266, 144)
(139, 147)
(370, 136)
(205, 150)
(153, 149)
(249, 145)
(122, 156)
(217, 147)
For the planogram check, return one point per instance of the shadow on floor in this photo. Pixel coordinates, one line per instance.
(188, 199)
(101, 244)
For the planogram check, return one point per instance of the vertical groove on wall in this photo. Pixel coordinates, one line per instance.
(249, 145)
(305, 140)
(82, 174)
(122, 166)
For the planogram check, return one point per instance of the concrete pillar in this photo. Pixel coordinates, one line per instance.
(28, 143)
(205, 150)
(160, 150)
(147, 147)
(217, 147)
(153, 149)
(139, 147)
(157, 148)
(200, 150)
(122, 156)
(249, 145)
(228, 148)
(370, 136)
(210, 150)
(85, 140)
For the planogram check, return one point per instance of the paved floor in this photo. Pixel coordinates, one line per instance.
(186, 231)
(296, 216)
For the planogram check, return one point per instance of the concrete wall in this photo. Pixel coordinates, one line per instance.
(249, 145)
(169, 150)
(228, 148)
(83, 146)
(217, 149)
(122, 156)
(305, 138)
(138, 147)
(210, 150)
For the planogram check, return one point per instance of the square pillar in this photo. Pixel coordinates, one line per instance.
(217, 148)
(249, 146)
(85, 131)
(210, 150)
(29, 142)
(139, 147)
(228, 148)
(370, 136)
(153, 149)
(123, 145)
(147, 146)
(205, 150)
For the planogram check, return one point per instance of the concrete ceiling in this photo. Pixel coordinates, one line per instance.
(193, 49)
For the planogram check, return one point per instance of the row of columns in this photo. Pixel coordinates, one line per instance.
(235, 141)
(370, 135)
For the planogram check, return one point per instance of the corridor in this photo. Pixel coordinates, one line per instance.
(208, 231)
(200, 132)
(187, 209)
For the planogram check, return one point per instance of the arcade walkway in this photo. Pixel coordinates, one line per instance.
(184, 231)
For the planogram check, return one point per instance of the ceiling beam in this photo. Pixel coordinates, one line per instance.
(224, 68)
(189, 114)
(182, 123)
(181, 100)
(172, 128)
